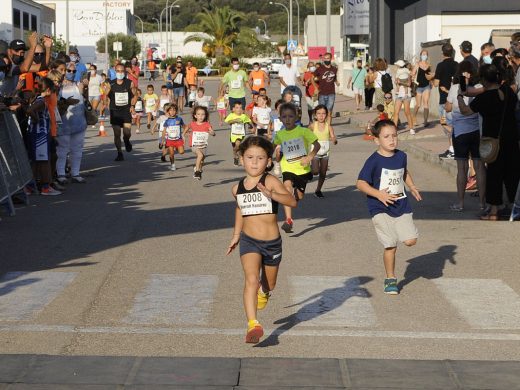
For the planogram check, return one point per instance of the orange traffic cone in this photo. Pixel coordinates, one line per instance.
(102, 132)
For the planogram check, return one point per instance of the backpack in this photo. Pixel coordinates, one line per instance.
(386, 83)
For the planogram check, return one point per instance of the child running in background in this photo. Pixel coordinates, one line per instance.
(222, 107)
(192, 95)
(295, 155)
(238, 121)
(276, 126)
(256, 228)
(159, 125)
(201, 99)
(325, 133)
(138, 111)
(103, 101)
(262, 117)
(200, 129)
(381, 115)
(172, 134)
(250, 106)
(164, 98)
(151, 103)
(382, 179)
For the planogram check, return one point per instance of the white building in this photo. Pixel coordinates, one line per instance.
(315, 33)
(84, 21)
(176, 45)
(18, 17)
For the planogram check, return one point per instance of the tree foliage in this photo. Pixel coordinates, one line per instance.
(131, 45)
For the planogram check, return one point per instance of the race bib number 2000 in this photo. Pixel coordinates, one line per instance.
(393, 180)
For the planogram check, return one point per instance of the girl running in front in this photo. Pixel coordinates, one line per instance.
(172, 134)
(256, 229)
(200, 129)
(222, 106)
(295, 155)
(325, 133)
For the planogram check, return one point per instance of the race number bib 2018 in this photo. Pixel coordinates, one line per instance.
(393, 180)
(121, 98)
(254, 203)
(235, 84)
(173, 132)
(199, 139)
(238, 129)
(294, 149)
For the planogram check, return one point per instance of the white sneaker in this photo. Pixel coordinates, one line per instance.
(172, 167)
(412, 132)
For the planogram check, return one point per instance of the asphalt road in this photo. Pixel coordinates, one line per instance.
(133, 263)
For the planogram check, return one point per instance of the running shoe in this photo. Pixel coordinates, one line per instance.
(287, 226)
(62, 180)
(148, 126)
(391, 286)
(57, 186)
(412, 132)
(163, 158)
(78, 179)
(137, 131)
(235, 162)
(263, 298)
(447, 155)
(456, 207)
(172, 167)
(319, 194)
(195, 174)
(199, 175)
(49, 191)
(128, 145)
(119, 157)
(254, 332)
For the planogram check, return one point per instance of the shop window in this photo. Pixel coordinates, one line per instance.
(16, 17)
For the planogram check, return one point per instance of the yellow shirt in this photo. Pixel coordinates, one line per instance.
(238, 130)
(323, 135)
(295, 144)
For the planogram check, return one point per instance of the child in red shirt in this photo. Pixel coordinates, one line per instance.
(200, 129)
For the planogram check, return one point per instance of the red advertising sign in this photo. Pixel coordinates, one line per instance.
(314, 52)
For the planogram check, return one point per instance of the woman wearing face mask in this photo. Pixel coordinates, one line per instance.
(71, 133)
(422, 72)
(311, 90)
(94, 83)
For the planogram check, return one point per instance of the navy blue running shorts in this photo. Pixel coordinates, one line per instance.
(271, 250)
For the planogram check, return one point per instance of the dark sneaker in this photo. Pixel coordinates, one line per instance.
(391, 286)
(287, 226)
(235, 162)
(128, 145)
(119, 157)
(319, 194)
(198, 175)
(447, 155)
(163, 158)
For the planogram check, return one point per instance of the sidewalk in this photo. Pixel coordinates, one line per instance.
(45, 372)
(426, 144)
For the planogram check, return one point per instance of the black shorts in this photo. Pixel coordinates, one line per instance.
(261, 132)
(466, 145)
(120, 117)
(271, 251)
(298, 181)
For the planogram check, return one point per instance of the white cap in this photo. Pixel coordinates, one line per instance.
(400, 63)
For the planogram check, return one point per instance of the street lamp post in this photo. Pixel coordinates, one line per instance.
(288, 17)
(298, 7)
(170, 29)
(158, 26)
(142, 34)
(265, 27)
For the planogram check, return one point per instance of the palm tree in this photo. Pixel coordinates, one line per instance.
(220, 30)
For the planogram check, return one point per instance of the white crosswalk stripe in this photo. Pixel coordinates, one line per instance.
(331, 301)
(24, 294)
(483, 303)
(175, 300)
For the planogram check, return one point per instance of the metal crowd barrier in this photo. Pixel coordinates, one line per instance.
(15, 170)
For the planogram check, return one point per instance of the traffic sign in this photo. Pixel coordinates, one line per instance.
(292, 44)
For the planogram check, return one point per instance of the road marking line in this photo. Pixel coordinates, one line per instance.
(24, 294)
(175, 300)
(240, 332)
(331, 301)
(483, 303)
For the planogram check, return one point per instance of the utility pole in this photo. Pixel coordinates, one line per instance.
(67, 26)
(291, 20)
(328, 26)
(106, 38)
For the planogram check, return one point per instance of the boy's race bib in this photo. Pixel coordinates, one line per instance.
(173, 132)
(254, 203)
(199, 139)
(294, 149)
(238, 129)
(393, 180)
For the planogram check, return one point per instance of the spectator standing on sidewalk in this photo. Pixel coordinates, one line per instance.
(496, 105)
(81, 68)
(357, 83)
(380, 67)
(369, 87)
(424, 75)
(444, 73)
(466, 137)
(327, 80)
(485, 53)
(465, 51)
(191, 74)
(403, 82)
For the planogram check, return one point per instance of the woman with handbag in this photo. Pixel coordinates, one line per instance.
(499, 146)
(71, 133)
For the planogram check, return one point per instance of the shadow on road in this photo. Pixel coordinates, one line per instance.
(318, 305)
(428, 266)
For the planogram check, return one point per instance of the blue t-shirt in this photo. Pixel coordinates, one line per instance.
(173, 128)
(81, 69)
(393, 171)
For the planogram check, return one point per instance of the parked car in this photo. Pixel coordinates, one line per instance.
(274, 66)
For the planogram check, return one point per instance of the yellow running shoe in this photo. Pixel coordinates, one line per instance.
(263, 298)
(254, 332)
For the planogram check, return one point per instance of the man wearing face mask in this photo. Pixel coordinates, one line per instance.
(326, 77)
(288, 74)
(122, 101)
(81, 68)
(258, 79)
(357, 82)
(465, 51)
(236, 80)
(485, 53)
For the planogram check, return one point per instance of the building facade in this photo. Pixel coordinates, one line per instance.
(18, 17)
(400, 28)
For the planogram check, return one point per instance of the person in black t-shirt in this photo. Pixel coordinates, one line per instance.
(465, 51)
(443, 77)
(122, 101)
